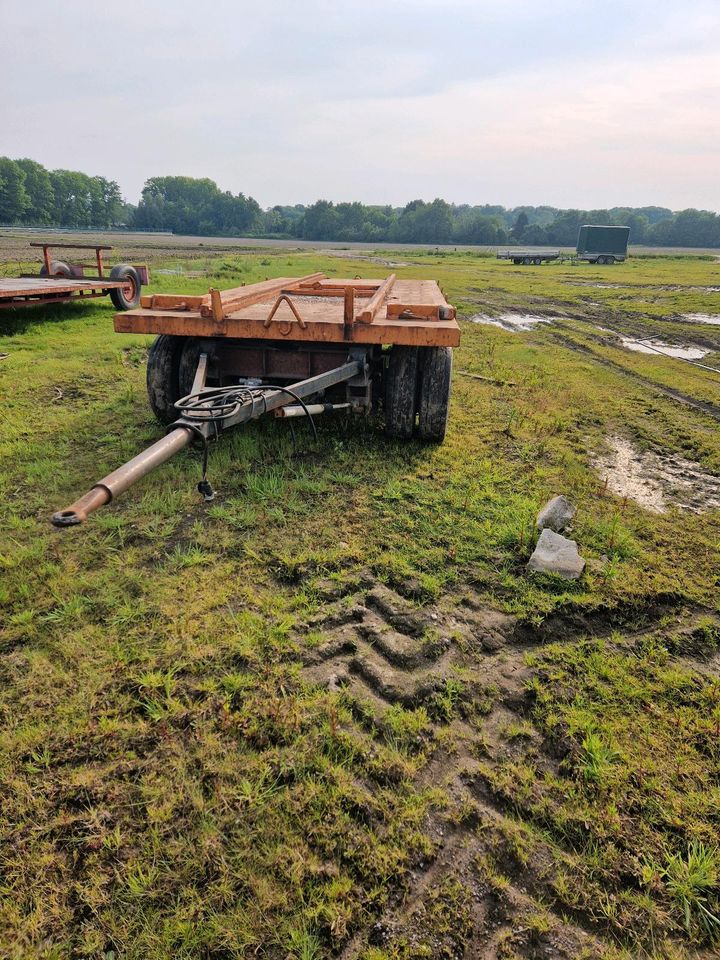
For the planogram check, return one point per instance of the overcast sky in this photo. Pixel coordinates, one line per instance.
(591, 104)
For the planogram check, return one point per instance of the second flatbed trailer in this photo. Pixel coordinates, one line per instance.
(60, 281)
(528, 257)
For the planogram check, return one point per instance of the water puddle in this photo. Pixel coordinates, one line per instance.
(713, 318)
(354, 255)
(658, 348)
(179, 272)
(513, 322)
(657, 481)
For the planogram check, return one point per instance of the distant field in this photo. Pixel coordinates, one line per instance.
(153, 247)
(331, 714)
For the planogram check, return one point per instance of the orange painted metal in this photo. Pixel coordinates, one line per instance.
(383, 311)
(35, 291)
(285, 298)
(367, 314)
(32, 291)
(232, 300)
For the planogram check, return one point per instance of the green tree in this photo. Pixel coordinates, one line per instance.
(105, 202)
(195, 206)
(39, 190)
(519, 227)
(564, 229)
(422, 222)
(73, 198)
(321, 221)
(14, 201)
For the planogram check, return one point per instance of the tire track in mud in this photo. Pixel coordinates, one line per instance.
(703, 406)
(379, 650)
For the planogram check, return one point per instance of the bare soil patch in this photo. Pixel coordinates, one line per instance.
(657, 481)
(711, 318)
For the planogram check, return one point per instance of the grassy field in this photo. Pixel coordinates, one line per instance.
(331, 714)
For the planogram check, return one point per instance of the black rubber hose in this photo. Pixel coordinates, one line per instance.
(209, 407)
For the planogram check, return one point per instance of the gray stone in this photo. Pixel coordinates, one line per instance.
(556, 514)
(556, 554)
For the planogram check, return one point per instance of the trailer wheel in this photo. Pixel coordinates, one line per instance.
(126, 297)
(517, 261)
(57, 269)
(400, 392)
(527, 261)
(601, 260)
(537, 261)
(434, 404)
(163, 376)
(609, 260)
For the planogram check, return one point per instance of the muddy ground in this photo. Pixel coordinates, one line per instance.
(331, 714)
(155, 246)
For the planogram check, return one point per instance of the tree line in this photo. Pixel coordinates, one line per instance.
(32, 195)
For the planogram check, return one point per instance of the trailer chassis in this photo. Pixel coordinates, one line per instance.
(228, 357)
(60, 282)
(194, 424)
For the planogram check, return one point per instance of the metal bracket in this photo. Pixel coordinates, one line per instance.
(359, 387)
(288, 325)
(218, 312)
(200, 374)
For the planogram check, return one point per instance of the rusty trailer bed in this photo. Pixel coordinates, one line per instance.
(33, 291)
(314, 308)
(299, 346)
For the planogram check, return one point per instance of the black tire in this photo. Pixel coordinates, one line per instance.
(163, 376)
(517, 261)
(537, 261)
(434, 402)
(609, 260)
(527, 261)
(601, 260)
(400, 392)
(57, 269)
(126, 297)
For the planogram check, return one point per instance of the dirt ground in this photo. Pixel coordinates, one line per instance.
(154, 247)
(332, 714)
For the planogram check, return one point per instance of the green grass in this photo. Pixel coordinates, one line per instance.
(172, 787)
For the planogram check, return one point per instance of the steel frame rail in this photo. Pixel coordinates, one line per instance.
(183, 431)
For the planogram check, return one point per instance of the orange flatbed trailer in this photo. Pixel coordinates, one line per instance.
(313, 308)
(35, 291)
(298, 346)
(59, 281)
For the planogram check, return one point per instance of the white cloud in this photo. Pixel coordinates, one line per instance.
(379, 101)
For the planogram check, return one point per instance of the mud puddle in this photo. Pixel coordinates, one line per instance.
(657, 481)
(712, 318)
(354, 255)
(179, 272)
(658, 348)
(513, 322)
